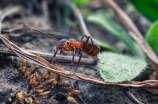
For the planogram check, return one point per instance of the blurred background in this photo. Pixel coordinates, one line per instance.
(57, 19)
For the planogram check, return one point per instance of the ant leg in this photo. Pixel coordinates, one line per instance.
(54, 56)
(61, 51)
(74, 52)
(89, 37)
(84, 35)
(86, 44)
(78, 61)
(99, 60)
(91, 41)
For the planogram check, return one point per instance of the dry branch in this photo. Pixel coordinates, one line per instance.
(134, 32)
(80, 77)
(45, 8)
(47, 56)
(8, 11)
(131, 97)
(79, 17)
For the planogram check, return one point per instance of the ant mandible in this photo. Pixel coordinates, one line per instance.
(90, 47)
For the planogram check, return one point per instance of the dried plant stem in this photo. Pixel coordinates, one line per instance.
(77, 76)
(131, 97)
(59, 58)
(79, 16)
(45, 8)
(134, 32)
(8, 11)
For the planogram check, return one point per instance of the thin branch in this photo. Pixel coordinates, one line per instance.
(79, 16)
(7, 12)
(47, 56)
(132, 97)
(134, 32)
(45, 9)
(77, 76)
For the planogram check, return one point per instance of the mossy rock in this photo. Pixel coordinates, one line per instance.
(119, 68)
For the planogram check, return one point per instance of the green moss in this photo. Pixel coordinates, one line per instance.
(119, 68)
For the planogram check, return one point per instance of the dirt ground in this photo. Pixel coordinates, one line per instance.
(32, 16)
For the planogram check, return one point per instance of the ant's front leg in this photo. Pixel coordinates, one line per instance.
(54, 56)
(61, 51)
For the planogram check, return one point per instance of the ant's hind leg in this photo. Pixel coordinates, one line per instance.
(98, 60)
(91, 41)
(84, 35)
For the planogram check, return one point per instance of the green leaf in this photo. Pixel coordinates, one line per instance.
(152, 37)
(116, 30)
(119, 68)
(80, 2)
(148, 8)
(104, 45)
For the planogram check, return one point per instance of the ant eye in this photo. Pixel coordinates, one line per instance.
(68, 42)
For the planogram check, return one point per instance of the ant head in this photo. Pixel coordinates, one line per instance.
(64, 43)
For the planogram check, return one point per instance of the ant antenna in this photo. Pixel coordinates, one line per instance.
(45, 34)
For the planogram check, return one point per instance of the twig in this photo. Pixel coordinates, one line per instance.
(131, 97)
(134, 32)
(59, 58)
(77, 76)
(36, 4)
(46, 13)
(45, 9)
(78, 15)
(7, 12)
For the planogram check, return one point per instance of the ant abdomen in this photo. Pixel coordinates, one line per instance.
(91, 49)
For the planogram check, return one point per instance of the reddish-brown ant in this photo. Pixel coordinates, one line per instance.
(90, 47)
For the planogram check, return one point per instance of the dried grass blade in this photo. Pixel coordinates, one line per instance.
(80, 77)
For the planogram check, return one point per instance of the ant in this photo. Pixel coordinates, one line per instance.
(90, 47)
